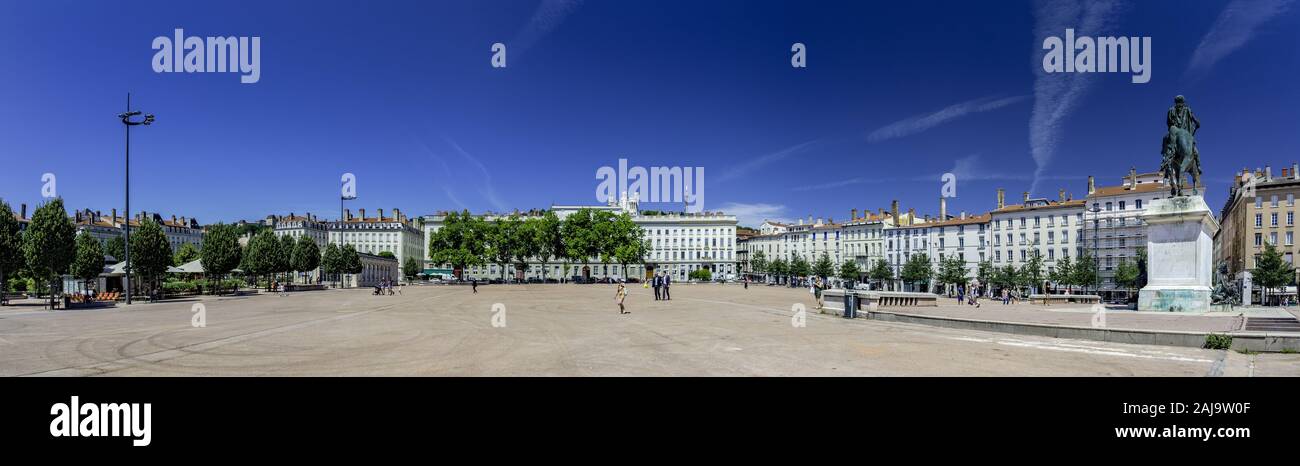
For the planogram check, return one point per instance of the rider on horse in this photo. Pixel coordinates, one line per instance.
(1179, 147)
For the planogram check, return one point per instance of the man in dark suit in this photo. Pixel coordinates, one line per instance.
(668, 282)
(656, 282)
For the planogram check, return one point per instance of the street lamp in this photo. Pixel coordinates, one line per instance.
(126, 121)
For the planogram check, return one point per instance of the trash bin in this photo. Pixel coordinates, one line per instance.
(850, 304)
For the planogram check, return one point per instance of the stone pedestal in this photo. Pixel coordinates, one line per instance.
(1180, 255)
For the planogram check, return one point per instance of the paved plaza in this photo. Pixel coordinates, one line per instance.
(558, 330)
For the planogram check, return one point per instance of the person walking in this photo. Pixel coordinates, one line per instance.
(619, 296)
(668, 283)
(658, 282)
(817, 287)
(746, 282)
(473, 284)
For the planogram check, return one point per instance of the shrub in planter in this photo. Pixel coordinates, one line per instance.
(1218, 341)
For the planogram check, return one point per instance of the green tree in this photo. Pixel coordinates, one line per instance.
(1085, 271)
(824, 268)
(703, 275)
(526, 246)
(221, 253)
(581, 240)
(1031, 274)
(881, 272)
(330, 261)
(631, 246)
(778, 268)
(460, 242)
(917, 271)
(758, 263)
(89, 260)
(1007, 277)
(952, 271)
(503, 241)
(185, 254)
(49, 245)
(607, 234)
(1063, 273)
(260, 260)
(984, 272)
(1272, 270)
(116, 247)
(549, 240)
(151, 253)
(306, 255)
(350, 260)
(850, 273)
(11, 246)
(1126, 275)
(797, 267)
(284, 255)
(410, 269)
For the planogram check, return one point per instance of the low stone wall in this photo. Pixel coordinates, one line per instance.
(1241, 341)
(871, 300)
(1065, 298)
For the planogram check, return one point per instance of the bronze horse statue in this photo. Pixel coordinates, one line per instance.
(1179, 154)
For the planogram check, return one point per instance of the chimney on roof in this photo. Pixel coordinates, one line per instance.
(963, 215)
(1268, 173)
(381, 214)
(1002, 197)
(853, 214)
(1025, 197)
(361, 213)
(114, 216)
(77, 216)
(1061, 194)
(23, 212)
(397, 214)
(893, 211)
(347, 214)
(911, 215)
(1132, 177)
(1092, 185)
(943, 208)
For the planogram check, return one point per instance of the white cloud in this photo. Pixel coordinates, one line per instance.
(920, 123)
(548, 16)
(1235, 27)
(753, 215)
(743, 169)
(1057, 94)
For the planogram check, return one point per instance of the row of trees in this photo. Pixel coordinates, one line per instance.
(51, 248)
(824, 267)
(919, 272)
(465, 240)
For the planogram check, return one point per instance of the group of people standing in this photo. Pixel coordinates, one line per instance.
(661, 283)
(970, 293)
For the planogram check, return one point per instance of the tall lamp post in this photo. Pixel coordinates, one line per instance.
(126, 121)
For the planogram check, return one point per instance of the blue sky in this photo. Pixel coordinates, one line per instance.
(402, 95)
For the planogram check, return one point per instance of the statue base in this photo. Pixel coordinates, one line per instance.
(1180, 255)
